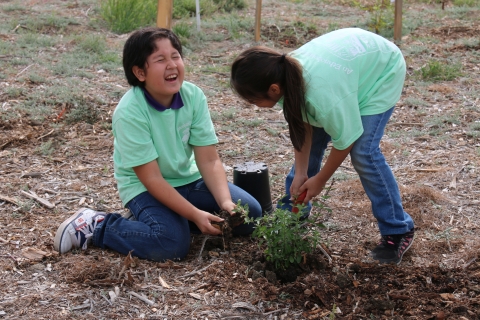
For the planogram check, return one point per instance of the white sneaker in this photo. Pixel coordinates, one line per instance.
(77, 231)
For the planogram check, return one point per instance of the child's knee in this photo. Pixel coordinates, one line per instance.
(175, 248)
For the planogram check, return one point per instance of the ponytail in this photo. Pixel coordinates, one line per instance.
(255, 69)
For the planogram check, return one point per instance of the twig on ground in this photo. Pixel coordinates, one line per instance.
(9, 256)
(47, 134)
(330, 260)
(24, 69)
(8, 199)
(275, 311)
(198, 271)
(205, 238)
(143, 298)
(469, 262)
(34, 196)
(109, 302)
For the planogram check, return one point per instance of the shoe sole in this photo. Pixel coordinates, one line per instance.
(59, 234)
(383, 261)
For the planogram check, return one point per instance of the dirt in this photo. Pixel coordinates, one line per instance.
(439, 277)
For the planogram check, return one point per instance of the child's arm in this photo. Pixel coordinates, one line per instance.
(151, 177)
(316, 184)
(301, 162)
(213, 173)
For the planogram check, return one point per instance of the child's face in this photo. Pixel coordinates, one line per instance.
(163, 73)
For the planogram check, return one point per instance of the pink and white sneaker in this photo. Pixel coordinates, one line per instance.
(77, 230)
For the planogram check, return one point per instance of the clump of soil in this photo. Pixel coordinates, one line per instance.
(229, 222)
(311, 262)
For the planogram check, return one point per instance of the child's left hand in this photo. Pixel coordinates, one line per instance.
(228, 206)
(313, 188)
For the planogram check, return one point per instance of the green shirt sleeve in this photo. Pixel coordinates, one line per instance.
(132, 135)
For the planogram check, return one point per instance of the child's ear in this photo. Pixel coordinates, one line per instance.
(139, 73)
(274, 89)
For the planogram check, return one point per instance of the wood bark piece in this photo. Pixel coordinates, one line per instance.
(34, 196)
(8, 199)
(163, 283)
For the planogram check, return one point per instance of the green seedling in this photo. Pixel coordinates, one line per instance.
(286, 237)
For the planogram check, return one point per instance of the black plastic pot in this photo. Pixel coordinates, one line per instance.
(253, 178)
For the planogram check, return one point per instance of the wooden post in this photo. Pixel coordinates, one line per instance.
(397, 24)
(164, 14)
(197, 13)
(258, 16)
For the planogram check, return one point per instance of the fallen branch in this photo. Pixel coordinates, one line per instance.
(141, 297)
(34, 196)
(8, 199)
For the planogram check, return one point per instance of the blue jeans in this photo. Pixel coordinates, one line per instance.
(159, 233)
(375, 174)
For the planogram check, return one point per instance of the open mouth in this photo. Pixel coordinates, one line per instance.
(171, 78)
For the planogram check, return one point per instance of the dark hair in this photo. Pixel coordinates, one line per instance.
(140, 45)
(255, 69)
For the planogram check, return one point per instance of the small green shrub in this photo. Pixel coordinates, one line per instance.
(14, 92)
(286, 237)
(183, 31)
(83, 113)
(49, 24)
(438, 71)
(123, 16)
(466, 3)
(381, 15)
(46, 148)
(92, 43)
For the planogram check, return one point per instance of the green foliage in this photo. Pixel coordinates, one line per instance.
(286, 237)
(187, 8)
(438, 71)
(123, 16)
(92, 43)
(83, 113)
(466, 3)
(48, 23)
(46, 148)
(183, 31)
(14, 92)
(381, 15)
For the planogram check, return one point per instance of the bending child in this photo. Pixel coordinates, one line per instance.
(340, 87)
(166, 165)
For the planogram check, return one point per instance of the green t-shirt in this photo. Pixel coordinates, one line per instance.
(143, 134)
(349, 73)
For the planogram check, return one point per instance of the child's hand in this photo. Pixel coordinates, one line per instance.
(228, 206)
(313, 187)
(203, 220)
(297, 182)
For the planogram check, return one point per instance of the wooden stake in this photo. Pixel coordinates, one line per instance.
(164, 14)
(258, 16)
(397, 24)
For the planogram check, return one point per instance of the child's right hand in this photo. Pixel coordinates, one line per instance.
(203, 221)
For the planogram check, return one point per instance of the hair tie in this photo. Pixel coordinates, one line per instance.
(282, 58)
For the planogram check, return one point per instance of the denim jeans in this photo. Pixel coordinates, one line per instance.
(159, 233)
(374, 172)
